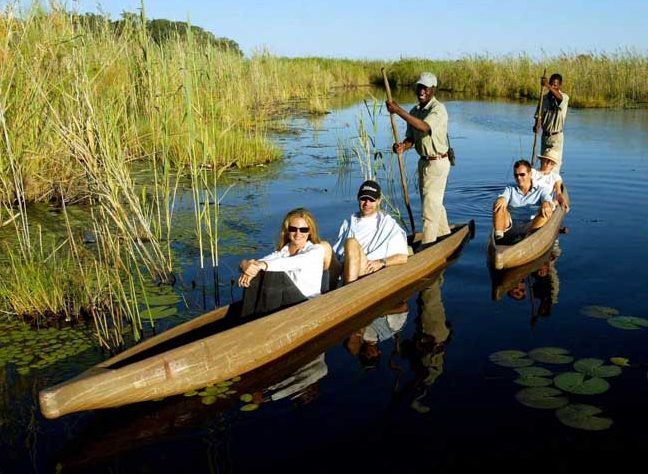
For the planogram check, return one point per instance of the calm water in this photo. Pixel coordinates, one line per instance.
(421, 407)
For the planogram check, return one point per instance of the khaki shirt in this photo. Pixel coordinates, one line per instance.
(436, 116)
(554, 113)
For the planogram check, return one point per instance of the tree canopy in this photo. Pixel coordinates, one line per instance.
(159, 30)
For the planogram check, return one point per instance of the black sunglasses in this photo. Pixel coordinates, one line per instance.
(303, 230)
(519, 174)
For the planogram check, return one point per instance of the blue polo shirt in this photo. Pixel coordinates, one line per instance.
(524, 207)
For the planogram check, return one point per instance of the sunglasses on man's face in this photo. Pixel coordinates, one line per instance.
(303, 230)
(519, 174)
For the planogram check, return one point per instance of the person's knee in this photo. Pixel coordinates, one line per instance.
(328, 254)
(351, 246)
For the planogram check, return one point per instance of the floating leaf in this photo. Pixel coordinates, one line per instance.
(551, 355)
(162, 300)
(191, 393)
(534, 376)
(246, 397)
(583, 417)
(210, 400)
(236, 379)
(595, 368)
(510, 358)
(159, 312)
(541, 397)
(601, 312)
(628, 322)
(249, 407)
(620, 361)
(576, 382)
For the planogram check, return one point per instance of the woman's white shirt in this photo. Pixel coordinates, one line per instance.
(304, 269)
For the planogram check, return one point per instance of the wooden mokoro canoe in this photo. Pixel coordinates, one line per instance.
(135, 376)
(528, 249)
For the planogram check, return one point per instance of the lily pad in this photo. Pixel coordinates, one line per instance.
(628, 322)
(551, 355)
(534, 376)
(246, 397)
(620, 361)
(541, 397)
(583, 417)
(162, 300)
(576, 382)
(159, 312)
(595, 368)
(510, 358)
(209, 400)
(249, 407)
(600, 312)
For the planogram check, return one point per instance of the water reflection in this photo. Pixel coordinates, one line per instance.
(536, 281)
(426, 350)
(301, 387)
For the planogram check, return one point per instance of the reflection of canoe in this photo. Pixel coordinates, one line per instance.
(528, 249)
(503, 280)
(138, 374)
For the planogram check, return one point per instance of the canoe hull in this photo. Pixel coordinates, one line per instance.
(528, 249)
(239, 350)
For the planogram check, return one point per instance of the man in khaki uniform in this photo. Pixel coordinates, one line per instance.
(427, 132)
(554, 112)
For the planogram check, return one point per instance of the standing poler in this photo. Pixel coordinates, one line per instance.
(554, 112)
(427, 131)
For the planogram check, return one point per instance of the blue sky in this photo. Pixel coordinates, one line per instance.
(388, 29)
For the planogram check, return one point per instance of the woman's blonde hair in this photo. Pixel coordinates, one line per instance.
(305, 214)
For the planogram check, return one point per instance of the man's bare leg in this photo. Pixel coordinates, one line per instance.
(355, 260)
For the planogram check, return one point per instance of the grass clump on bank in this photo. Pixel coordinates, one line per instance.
(591, 80)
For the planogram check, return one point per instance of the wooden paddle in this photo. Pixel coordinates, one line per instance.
(538, 121)
(401, 163)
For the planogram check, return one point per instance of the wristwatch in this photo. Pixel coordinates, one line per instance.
(384, 262)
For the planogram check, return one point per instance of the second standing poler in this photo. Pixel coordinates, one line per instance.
(554, 112)
(427, 131)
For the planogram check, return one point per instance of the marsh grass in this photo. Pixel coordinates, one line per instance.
(617, 79)
(79, 107)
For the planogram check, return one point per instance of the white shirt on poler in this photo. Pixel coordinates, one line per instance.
(304, 269)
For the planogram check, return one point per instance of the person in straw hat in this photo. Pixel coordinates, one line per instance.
(549, 177)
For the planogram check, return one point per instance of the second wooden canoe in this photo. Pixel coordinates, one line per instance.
(530, 248)
(134, 376)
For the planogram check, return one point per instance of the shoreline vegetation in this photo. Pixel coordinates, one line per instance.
(83, 99)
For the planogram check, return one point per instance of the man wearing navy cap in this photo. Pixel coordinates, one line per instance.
(369, 239)
(427, 131)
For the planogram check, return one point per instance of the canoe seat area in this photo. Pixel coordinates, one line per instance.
(510, 238)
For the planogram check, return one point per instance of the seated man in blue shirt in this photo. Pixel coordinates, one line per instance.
(521, 208)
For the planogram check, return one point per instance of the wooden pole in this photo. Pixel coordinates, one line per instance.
(538, 121)
(401, 163)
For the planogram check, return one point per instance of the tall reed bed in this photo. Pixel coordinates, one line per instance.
(592, 80)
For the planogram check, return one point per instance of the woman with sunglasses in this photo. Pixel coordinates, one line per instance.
(292, 273)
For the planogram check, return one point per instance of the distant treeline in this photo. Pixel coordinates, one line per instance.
(159, 30)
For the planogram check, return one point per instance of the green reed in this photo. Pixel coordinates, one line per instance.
(617, 79)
